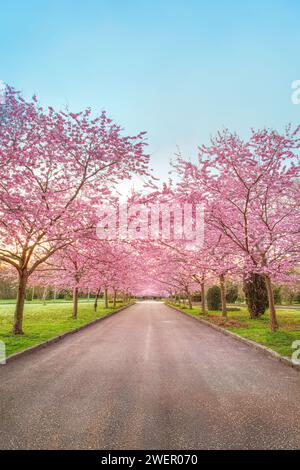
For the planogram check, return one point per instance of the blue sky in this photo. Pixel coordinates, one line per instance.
(180, 70)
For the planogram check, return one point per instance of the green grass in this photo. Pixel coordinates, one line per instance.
(258, 330)
(42, 322)
(48, 301)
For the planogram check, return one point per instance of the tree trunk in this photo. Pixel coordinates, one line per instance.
(273, 318)
(19, 310)
(32, 295)
(106, 297)
(190, 301)
(203, 298)
(96, 300)
(223, 296)
(75, 303)
(44, 295)
(115, 299)
(256, 294)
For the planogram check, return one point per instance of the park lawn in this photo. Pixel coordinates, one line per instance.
(47, 301)
(42, 322)
(257, 330)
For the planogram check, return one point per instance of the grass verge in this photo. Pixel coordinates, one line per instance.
(257, 330)
(42, 322)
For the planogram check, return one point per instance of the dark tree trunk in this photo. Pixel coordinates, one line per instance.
(96, 300)
(223, 295)
(115, 299)
(44, 295)
(273, 318)
(106, 297)
(75, 303)
(256, 294)
(190, 301)
(19, 310)
(203, 298)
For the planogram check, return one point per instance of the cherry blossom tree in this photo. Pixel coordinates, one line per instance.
(54, 167)
(252, 197)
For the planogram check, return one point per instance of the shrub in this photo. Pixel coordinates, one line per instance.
(232, 293)
(256, 295)
(213, 298)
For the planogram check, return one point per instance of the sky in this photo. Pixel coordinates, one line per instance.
(180, 70)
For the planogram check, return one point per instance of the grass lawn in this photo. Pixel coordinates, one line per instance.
(258, 330)
(48, 301)
(42, 322)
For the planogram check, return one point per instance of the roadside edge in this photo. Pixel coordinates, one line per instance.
(247, 341)
(55, 339)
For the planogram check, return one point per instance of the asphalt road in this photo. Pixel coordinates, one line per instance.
(149, 377)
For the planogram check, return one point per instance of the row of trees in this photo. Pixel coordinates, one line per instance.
(250, 191)
(57, 167)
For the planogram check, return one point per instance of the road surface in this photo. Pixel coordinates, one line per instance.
(149, 377)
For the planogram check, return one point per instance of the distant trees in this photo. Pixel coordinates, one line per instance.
(7, 289)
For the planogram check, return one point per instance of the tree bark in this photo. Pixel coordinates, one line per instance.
(273, 317)
(75, 303)
(190, 301)
(96, 300)
(254, 286)
(44, 295)
(19, 310)
(203, 298)
(106, 297)
(223, 295)
(115, 299)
